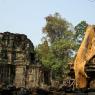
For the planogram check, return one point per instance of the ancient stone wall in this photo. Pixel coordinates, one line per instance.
(34, 76)
(20, 73)
(7, 74)
(28, 76)
(16, 49)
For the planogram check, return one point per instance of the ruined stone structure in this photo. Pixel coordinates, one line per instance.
(7, 74)
(17, 61)
(84, 54)
(28, 76)
(16, 49)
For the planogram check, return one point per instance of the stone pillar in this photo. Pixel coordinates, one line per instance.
(34, 76)
(9, 54)
(20, 76)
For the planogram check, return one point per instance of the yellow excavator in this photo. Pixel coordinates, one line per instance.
(84, 63)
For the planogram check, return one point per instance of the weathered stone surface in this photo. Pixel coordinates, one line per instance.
(20, 76)
(34, 76)
(7, 74)
(28, 76)
(16, 49)
(84, 54)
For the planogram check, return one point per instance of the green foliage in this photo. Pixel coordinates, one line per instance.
(59, 44)
(44, 55)
(55, 27)
(62, 48)
(56, 52)
(80, 29)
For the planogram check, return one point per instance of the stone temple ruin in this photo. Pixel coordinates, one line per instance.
(17, 61)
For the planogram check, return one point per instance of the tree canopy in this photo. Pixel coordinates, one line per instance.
(60, 42)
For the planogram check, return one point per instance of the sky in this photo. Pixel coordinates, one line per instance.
(28, 16)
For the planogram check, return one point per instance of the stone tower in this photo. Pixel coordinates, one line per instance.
(16, 49)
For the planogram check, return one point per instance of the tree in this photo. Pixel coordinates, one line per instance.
(60, 44)
(55, 27)
(44, 54)
(80, 30)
